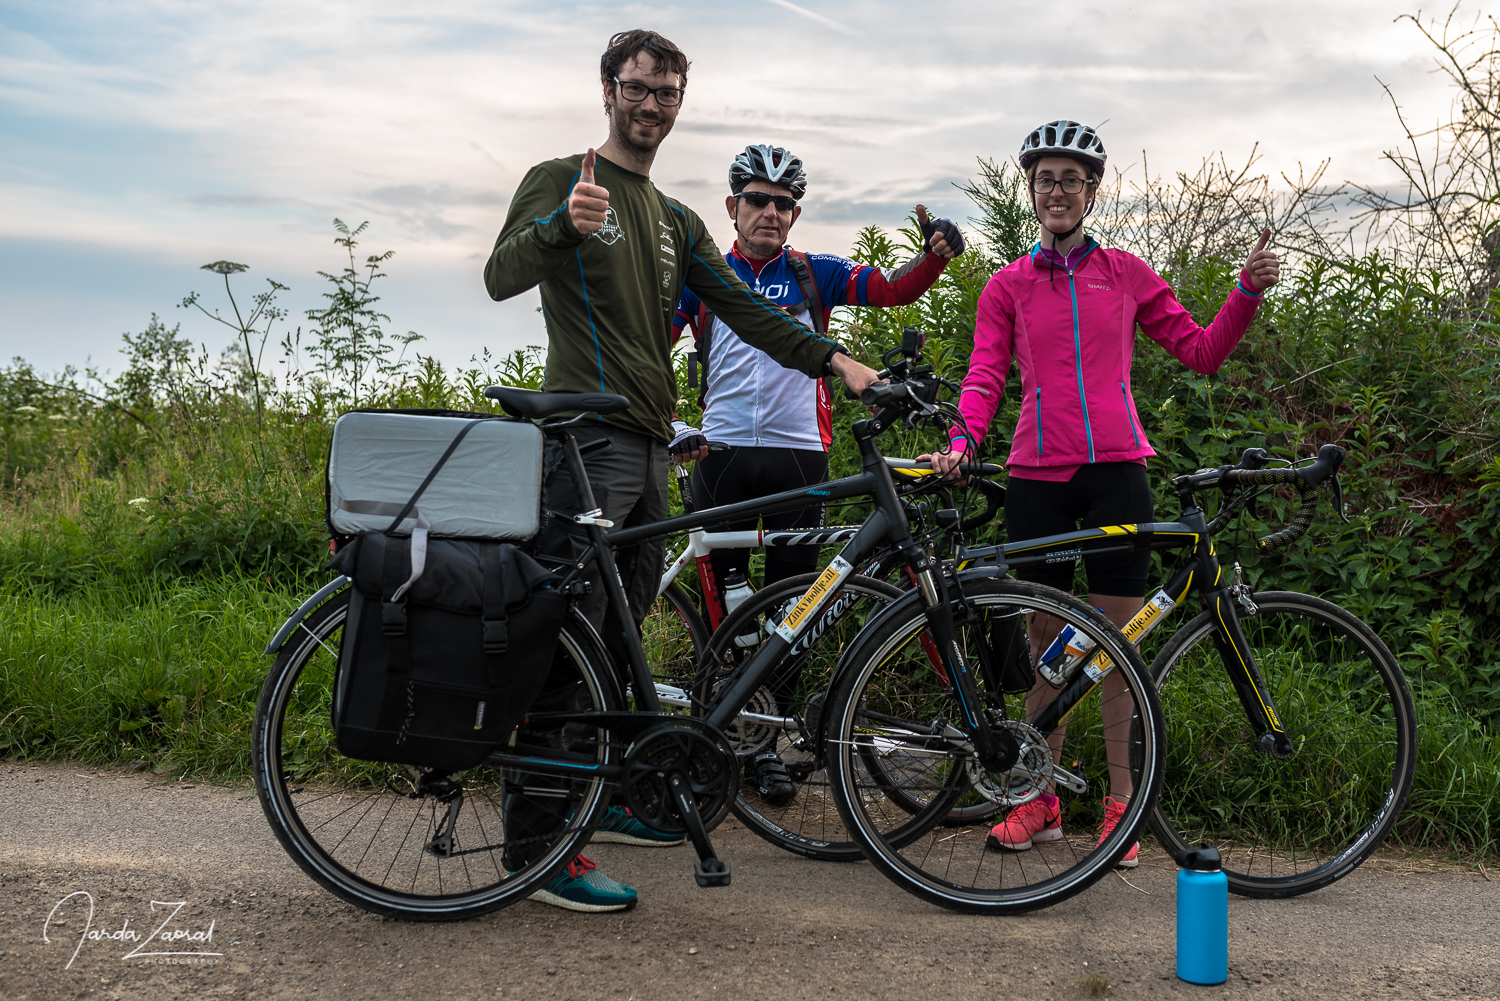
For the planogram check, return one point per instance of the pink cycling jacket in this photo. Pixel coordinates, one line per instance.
(1072, 332)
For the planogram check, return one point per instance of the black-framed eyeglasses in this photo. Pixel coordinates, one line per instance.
(759, 200)
(667, 97)
(1070, 185)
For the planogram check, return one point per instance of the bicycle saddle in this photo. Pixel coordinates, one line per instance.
(535, 404)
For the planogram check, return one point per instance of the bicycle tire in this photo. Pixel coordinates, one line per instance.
(674, 636)
(809, 823)
(1285, 827)
(887, 695)
(352, 825)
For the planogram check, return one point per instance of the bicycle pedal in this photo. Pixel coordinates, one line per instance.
(711, 872)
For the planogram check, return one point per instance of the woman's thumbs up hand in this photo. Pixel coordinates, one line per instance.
(1262, 269)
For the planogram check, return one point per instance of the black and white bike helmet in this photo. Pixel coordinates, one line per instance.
(767, 163)
(1064, 138)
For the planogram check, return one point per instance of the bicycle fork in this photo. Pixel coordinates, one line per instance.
(1244, 673)
(996, 749)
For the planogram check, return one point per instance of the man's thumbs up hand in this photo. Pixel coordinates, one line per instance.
(587, 202)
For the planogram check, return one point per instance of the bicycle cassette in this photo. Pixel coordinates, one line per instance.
(1027, 779)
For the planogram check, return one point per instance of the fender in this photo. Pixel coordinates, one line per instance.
(324, 593)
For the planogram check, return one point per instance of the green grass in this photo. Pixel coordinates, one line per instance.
(166, 670)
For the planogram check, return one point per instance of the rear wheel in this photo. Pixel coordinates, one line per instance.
(407, 842)
(1285, 826)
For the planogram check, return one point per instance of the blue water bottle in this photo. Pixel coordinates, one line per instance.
(1202, 918)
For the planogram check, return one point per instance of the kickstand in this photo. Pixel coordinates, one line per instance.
(709, 871)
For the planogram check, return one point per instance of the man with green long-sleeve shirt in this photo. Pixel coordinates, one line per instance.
(612, 255)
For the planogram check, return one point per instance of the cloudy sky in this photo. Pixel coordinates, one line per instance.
(140, 139)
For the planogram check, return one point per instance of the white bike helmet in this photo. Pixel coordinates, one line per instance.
(767, 163)
(1064, 138)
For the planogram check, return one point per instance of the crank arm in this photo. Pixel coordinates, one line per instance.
(1067, 779)
(710, 871)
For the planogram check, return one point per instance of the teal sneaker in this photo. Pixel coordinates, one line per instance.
(582, 887)
(621, 828)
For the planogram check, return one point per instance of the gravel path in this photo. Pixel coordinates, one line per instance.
(787, 928)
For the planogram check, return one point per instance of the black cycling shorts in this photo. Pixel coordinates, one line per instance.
(1104, 493)
(742, 473)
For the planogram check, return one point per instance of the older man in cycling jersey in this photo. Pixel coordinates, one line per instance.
(777, 421)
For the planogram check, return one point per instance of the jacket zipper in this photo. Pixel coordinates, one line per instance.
(1129, 415)
(1039, 421)
(1083, 402)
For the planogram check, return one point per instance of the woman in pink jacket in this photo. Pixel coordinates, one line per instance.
(1067, 314)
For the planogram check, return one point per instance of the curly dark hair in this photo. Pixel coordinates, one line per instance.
(626, 45)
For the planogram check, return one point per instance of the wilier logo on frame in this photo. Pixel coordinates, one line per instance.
(166, 934)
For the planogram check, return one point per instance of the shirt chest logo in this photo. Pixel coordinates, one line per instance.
(610, 233)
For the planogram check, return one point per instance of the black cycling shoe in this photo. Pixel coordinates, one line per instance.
(767, 773)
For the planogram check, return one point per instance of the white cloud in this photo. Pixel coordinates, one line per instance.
(177, 132)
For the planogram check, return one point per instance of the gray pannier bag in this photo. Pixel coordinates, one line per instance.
(451, 628)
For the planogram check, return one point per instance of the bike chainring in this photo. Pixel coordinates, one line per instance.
(692, 748)
(1027, 779)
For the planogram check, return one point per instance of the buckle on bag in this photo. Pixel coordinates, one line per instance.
(393, 618)
(496, 636)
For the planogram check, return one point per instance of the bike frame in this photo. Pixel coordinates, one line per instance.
(701, 543)
(1200, 569)
(886, 526)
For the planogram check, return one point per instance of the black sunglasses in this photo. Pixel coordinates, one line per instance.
(759, 200)
(667, 97)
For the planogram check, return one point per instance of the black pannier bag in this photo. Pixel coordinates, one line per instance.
(441, 675)
(451, 628)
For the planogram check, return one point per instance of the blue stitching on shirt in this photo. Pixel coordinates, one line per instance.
(573, 180)
(598, 355)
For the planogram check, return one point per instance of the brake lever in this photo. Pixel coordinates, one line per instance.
(1338, 499)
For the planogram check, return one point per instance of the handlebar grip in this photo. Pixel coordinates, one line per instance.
(883, 394)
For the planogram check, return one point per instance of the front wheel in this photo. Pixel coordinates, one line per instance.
(407, 842)
(895, 738)
(1285, 826)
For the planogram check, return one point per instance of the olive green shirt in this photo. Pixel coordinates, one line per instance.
(608, 298)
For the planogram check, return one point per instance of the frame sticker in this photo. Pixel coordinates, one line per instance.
(827, 581)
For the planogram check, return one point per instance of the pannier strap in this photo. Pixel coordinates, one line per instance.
(496, 631)
(393, 613)
(418, 534)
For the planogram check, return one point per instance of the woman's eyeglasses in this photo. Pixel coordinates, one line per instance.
(1070, 185)
(667, 97)
(759, 200)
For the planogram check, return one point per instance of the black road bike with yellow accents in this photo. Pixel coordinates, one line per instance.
(1291, 734)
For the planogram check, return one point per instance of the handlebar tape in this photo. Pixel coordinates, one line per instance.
(1305, 479)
